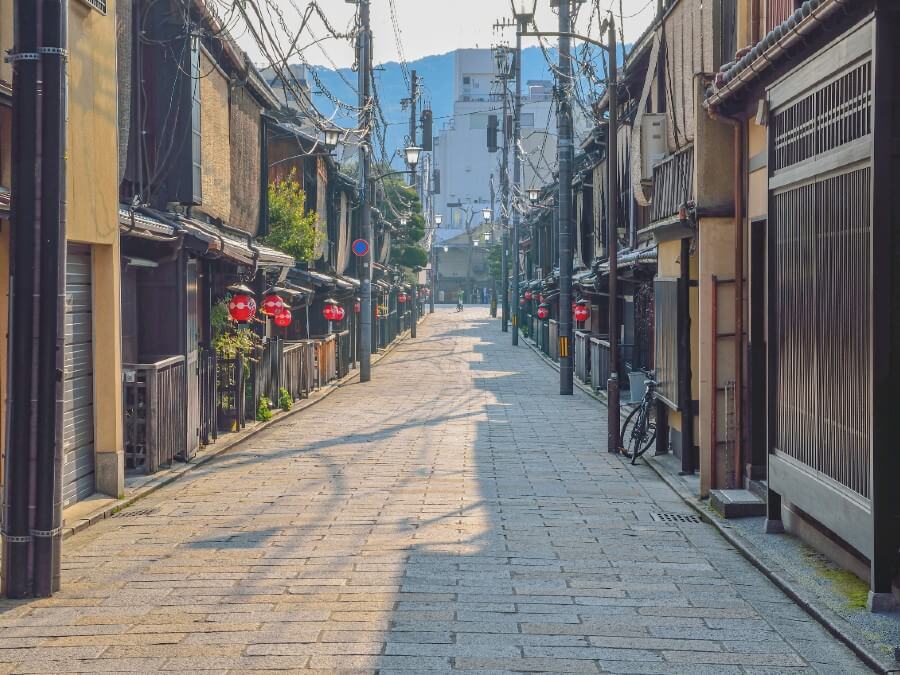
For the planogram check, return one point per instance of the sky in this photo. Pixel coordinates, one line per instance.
(434, 26)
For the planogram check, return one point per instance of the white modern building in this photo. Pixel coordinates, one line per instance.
(464, 166)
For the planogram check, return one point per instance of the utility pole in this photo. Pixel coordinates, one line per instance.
(33, 496)
(413, 93)
(493, 242)
(566, 159)
(522, 20)
(364, 59)
(612, 201)
(504, 187)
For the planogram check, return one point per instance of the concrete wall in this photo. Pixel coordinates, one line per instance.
(92, 214)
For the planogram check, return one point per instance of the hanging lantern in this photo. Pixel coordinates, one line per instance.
(543, 311)
(283, 318)
(528, 295)
(521, 302)
(357, 307)
(581, 312)
(401, 298)
(272, 304)
(339, 313)
(329, 311)
(242, 307)
(540, 297)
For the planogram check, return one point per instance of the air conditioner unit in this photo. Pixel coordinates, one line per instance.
(654, 142)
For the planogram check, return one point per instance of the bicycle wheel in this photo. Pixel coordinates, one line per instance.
(638, 432)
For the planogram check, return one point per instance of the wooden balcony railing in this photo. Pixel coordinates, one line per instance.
(155, 413)
(673, 184)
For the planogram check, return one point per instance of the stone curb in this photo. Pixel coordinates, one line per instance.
(833, 623)
(216, 450)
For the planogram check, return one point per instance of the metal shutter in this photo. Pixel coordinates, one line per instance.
(78, 418)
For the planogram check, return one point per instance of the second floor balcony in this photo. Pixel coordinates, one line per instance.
(673, 185)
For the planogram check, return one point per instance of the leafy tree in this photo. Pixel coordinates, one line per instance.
(495, 260)
(398, 199)
(291, 229)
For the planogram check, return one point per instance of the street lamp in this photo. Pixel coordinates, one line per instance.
(533, 195)
(523, 10)
(332, 138)
(486, 214)
(438, 219)
(412, 155)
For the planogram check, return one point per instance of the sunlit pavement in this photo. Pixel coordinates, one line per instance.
(455, 514)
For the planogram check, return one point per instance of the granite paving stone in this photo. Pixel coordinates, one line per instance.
(456, 514)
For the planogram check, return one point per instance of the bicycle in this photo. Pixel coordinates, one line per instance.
(639, 429)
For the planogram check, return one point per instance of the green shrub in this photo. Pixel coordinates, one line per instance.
(285, 401)
(263, 409)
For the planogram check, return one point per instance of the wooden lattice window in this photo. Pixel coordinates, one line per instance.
(835, 114)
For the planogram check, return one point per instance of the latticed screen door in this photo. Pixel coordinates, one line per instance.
(820, 314)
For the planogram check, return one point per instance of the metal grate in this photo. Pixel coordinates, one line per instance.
(675, 518)
(836, 114)
(136, 513)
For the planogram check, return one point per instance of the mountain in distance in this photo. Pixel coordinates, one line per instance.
(436, 77)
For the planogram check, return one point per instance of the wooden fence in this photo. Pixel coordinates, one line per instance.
(155, 413)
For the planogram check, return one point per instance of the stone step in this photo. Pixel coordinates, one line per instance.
(737, 503)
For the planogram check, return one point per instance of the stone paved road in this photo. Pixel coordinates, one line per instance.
(455, 515)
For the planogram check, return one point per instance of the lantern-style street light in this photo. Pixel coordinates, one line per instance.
(332, 138)
(412, 155)
(438, 219)
(486, 214)
(533, 195)
(523, 10)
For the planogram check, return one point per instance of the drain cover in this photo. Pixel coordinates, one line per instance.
(134, 513)
(675, 518)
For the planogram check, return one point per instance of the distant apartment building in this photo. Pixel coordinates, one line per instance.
(462, 161)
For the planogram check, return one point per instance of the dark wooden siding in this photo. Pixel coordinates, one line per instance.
(666, 339)
(821, 267)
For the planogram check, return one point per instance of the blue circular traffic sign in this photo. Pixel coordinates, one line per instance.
(360, 247)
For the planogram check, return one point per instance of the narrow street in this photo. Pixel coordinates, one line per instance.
(460, 516)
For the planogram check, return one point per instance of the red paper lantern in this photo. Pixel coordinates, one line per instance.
(528, 295)
(339, 313)
(357, 307)
(540, 297)
(543, 311)
(329, 311)
(521, 302)
(242, 307)
(283, 318)
(272, 304)
(582, 311)
(401, 298)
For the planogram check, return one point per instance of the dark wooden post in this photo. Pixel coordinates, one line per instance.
(885, 309)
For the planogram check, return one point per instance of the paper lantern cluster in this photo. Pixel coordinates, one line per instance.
(333, 311)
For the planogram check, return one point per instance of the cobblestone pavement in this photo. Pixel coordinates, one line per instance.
(455, 514)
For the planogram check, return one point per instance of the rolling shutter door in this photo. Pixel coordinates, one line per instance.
(78, 419)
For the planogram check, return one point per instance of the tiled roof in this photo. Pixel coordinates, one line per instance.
(753, 61)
